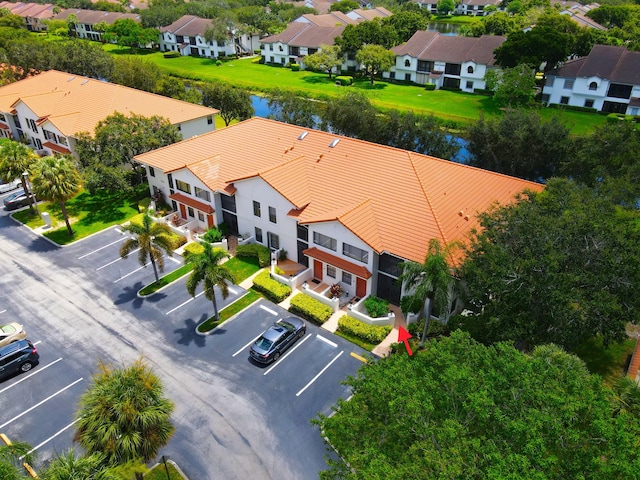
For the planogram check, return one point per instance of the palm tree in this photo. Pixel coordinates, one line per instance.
(16, 159)
(207, 268)
(11, 458)
(151, 239)
(70, 467)
(431, 281)
(56, 179)
(124, 415)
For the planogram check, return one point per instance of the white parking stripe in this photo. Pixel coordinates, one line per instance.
(131, 273)
(232, 290)
(39, 403)
(2, 311)
(319, 373)
(101, 248)
(50, 438)
(114, 261)
(326, 340)
(184, 303)
(24, 377)
(288, 353)
(268, 310)
(246, 346)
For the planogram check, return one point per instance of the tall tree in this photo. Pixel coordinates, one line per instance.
(326, 59)
(512, 87)
(459, 409)
(207, 269)
(352, 115)
(124, 414)
(375, 59)
(540, 46)
(371, 32)
(151, 240)
(56, 179)
(68, 466)
(16, 159)
(11, 459)
(407, 23)
(136, 73)
(432, 282)
(129, 33)
(233, 103)
(288, 107)
(558, 266)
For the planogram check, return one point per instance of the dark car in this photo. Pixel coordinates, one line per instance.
(276, 339)
(17, 357)
(16, 200)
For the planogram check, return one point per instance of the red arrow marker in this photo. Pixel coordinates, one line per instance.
(404, 336)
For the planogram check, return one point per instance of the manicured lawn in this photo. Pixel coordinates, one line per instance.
(357, 341)
(166, 280)
(88, 214)
(606, 362)
(245, 72)
(242, 268)
(230, 311)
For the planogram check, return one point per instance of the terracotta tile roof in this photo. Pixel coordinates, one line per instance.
(616, 64)
(56, 148)
(331, 19)
(371, 13)
(75, 104)
(188, 26)
(91, 17)
(394, 200)
(338, 262)
(192, 202)
(306, 35)
(437, 47)
(33, 10)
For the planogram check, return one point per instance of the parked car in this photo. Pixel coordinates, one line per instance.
(20, 356)
(276, 339)
(11, 332)
(16, 200)
(8, 186)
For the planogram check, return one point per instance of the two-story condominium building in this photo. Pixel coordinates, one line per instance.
(476, 8)
(34, 14)
(349, 210)
(88, 19)
(608, 80)
(187, 36)
(445, 61)
(49, 110)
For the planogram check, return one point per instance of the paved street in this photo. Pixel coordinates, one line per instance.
(233, 418)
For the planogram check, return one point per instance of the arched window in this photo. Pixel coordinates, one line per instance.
(469, 69)
(407, 63)
(593, 86)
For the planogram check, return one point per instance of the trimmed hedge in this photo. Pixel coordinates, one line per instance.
(430, 86)
(254, 250)
(272, 289)
(364, 331)
(310, 309)
(376, 307)
(344, 80)
(295, 67)
(194, 248)
(171, 54)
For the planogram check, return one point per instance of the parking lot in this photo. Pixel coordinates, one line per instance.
(252, 402)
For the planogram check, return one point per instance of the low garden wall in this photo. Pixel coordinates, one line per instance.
(359, 312)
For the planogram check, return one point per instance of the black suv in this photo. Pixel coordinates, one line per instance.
(17, 357)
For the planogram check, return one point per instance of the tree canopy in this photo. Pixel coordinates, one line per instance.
(326, 59)
(459, 409)
(375, 59)
(233, 103)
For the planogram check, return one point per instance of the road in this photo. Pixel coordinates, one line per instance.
(232, 421)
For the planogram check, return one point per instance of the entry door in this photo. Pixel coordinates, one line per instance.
(209, 221)
(317, 269)
(183, 211)
(361, 287)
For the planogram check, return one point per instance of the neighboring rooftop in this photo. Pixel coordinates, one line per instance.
(394, 200)
(91, 17)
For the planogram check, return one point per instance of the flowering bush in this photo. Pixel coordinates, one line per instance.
(335, 290)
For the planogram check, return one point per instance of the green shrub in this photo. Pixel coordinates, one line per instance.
(618, 117)
(218, 63)
(295, 67)
(344, 80)
(310, 308)
(364, 331)
(177, 240)
(213, 235)
(194, 248)
(278, 270)
(376, 307)
(254, 250)
(143, 205)
(171, 54)
(272, 289)
(429, 86)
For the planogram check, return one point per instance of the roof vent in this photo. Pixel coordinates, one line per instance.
(86, 80)
(71, 78)
(334, 142)
(302, 135)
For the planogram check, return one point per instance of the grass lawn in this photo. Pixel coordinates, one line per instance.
(166, 280)
(228, 312)
(609, 362)
(159, 473)
(88, 214)
(356, 340)
(242, 268)
(459, 107)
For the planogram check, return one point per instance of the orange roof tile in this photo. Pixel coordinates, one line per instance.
(394, 200)
(56, 148)
(75, 104)
(202, 206)
(339, 262)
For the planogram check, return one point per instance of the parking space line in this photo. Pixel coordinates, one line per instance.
(51, 438)
(22, 379)
(326, 340)
(116, 260)
(40, 403)
(101, 248)
(242, 348)
(2, 311)
(288, 353)
(184, 303)
(272, 312)
(131, 273)
(319, 373)
(232, 290)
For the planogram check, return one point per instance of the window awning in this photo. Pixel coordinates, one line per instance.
(56, 148)
(4, 126)
(191, 202)
(337, 262)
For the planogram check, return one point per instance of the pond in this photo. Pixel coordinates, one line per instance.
(261, 107)
(449, 29)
